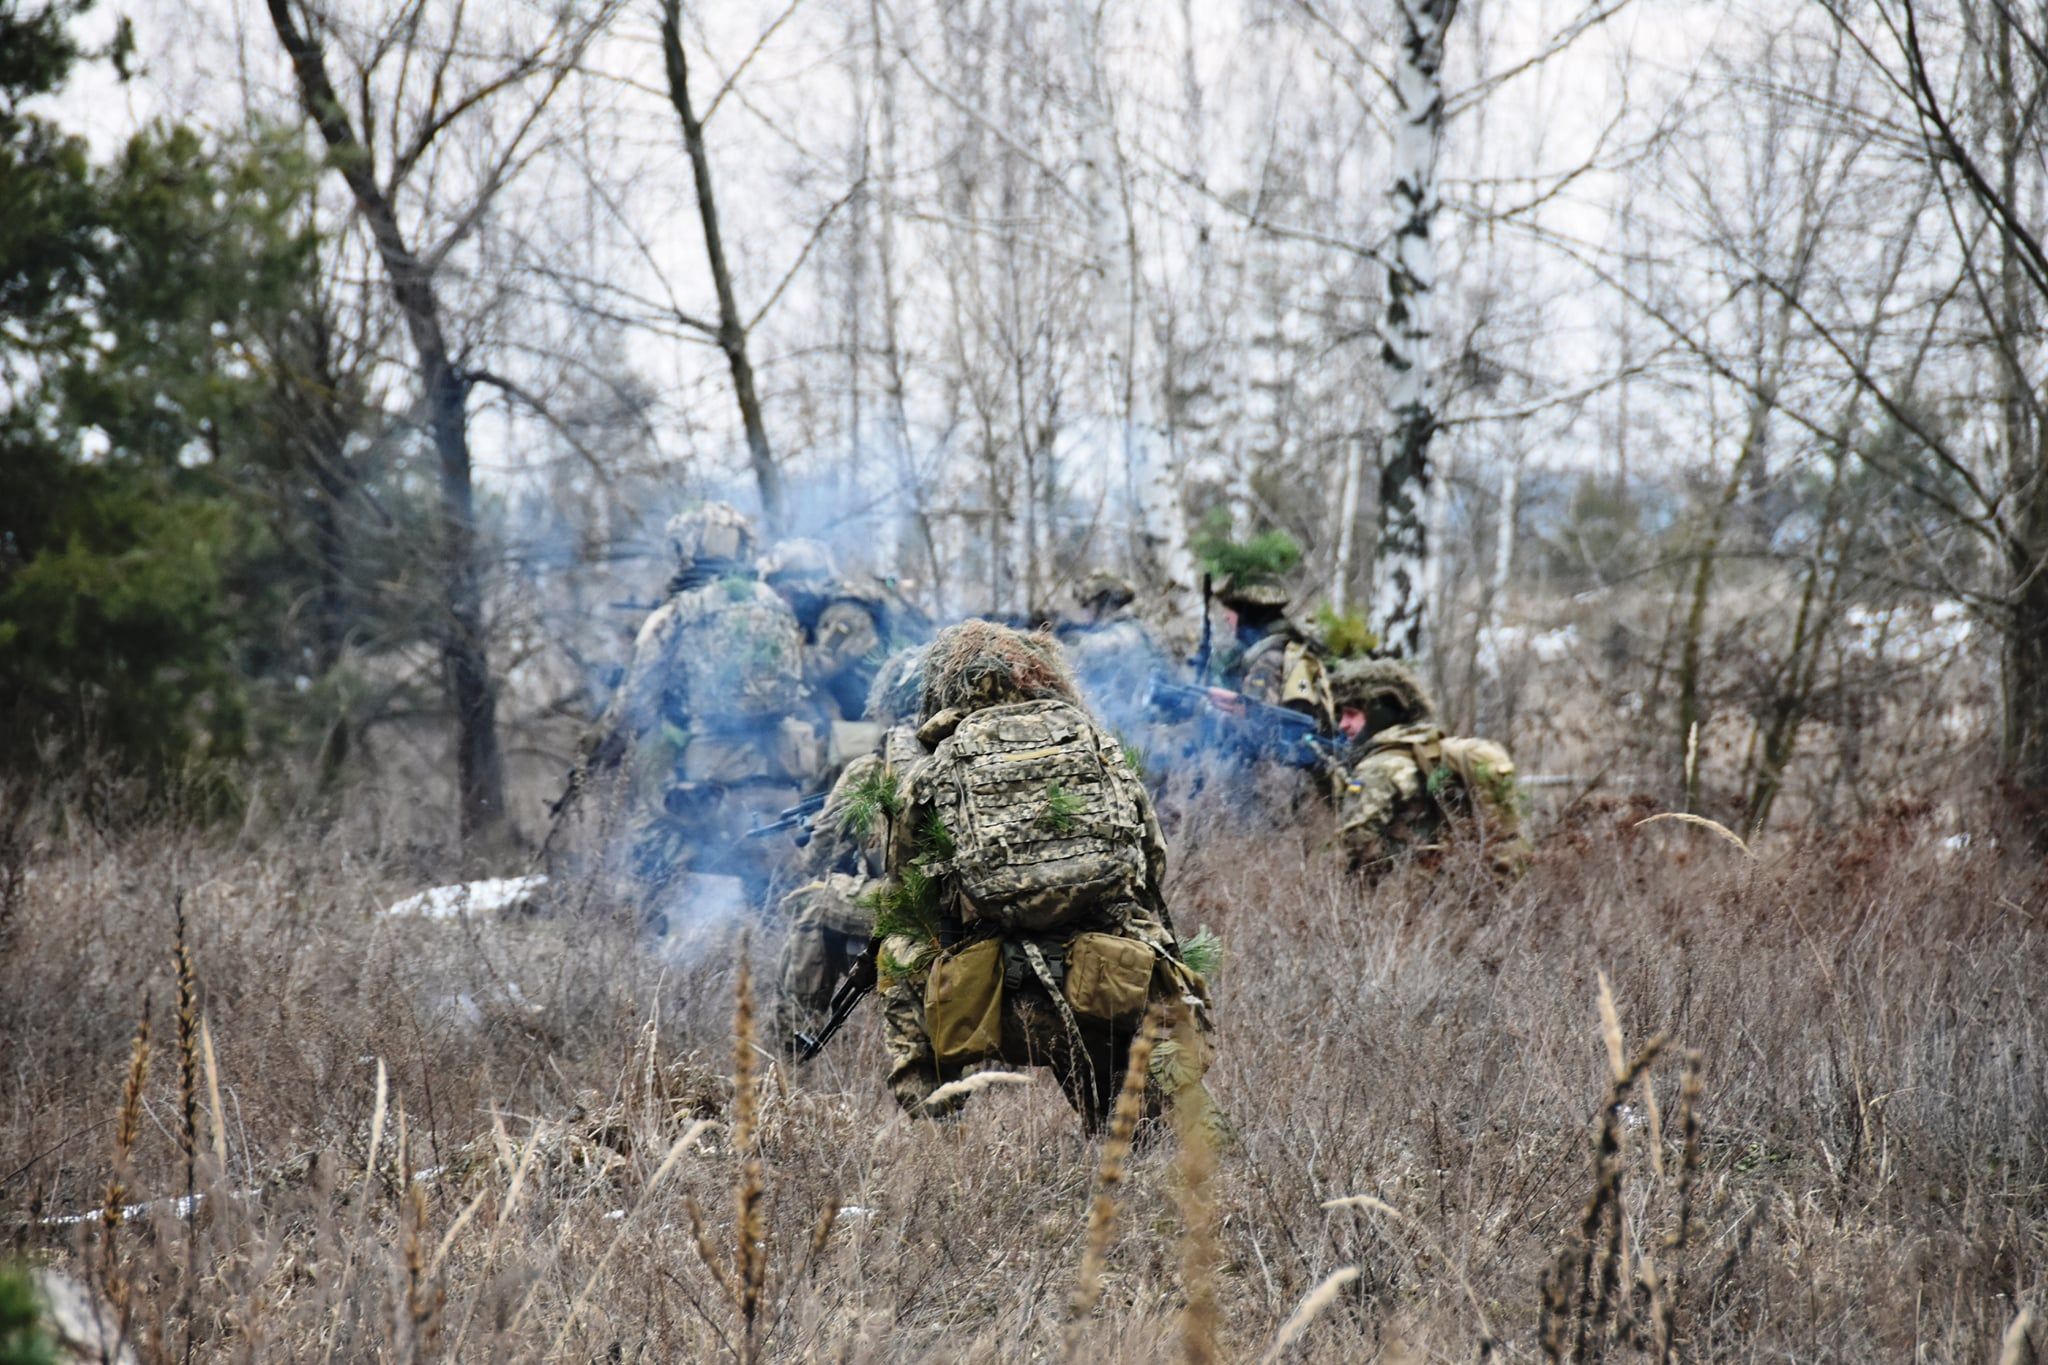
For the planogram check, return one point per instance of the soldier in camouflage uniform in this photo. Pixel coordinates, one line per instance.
(1112, 653)
(1023, 919)
(702, 716)
(1270, 658)
(1410, 789)
(845, 624)
(829, 923)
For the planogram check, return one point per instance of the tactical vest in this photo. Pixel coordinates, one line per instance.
(1281, 671)
(1479, 768)
(1044, 818)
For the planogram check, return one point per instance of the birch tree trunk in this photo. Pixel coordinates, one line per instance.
(1400, 562)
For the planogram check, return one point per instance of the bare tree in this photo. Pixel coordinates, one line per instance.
(1973, 78)
(730, 330)
(445, 390)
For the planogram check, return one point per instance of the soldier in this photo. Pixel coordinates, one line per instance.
(702, 716)
(829, 924)
(1409, 787)
(1023, 918)
(1113, 654)
(1272, 659)
(845, 624)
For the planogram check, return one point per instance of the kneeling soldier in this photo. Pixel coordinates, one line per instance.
(1410, 789)
(1022, 919)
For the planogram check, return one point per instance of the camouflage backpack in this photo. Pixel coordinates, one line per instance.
(740, 653)
(1044, 818)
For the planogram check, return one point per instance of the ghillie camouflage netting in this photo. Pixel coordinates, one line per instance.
(980, 663)
(1357, 682)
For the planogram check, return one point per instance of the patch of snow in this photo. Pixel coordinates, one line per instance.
(1506, 647)
(491, 896)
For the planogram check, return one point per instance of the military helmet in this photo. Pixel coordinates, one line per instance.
(1387, 691)
(980, 663)
(898, 687)
(791, 560)
(715, 531)
(1252, 589)
(1106, 591)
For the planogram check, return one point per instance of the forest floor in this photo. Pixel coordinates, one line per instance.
(517, 1137)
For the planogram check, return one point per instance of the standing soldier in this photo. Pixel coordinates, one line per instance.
(1411, 789)
(845, 624)
(1272, 659)
(829, 923)
(1113, 654)
(1023, 918)
(703, 715)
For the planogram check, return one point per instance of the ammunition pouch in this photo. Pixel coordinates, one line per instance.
(963, 1003)
(1108, 977)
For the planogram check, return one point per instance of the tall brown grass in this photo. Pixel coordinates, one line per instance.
(1840, 1154)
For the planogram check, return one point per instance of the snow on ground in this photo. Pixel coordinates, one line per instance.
(491, 896)
(1506, 647)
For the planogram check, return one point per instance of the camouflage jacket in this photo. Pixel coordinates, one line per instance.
(1285, 668)
(715, 671)
(1414, 788)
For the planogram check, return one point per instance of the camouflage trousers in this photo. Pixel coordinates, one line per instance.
(828, 931)
(1088, 1057)
(703, 828)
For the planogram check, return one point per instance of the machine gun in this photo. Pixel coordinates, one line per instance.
(797, 817)
(1256, 727)
(855, 988)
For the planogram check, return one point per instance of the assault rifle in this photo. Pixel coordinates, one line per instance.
(797, 817)
(854, 989)
(1274, 732)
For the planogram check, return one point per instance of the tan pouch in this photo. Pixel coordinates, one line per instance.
(1109, 976)
(963, 1003)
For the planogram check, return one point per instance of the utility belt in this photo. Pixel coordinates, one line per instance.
(1105, 978)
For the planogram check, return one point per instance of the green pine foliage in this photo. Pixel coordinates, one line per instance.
(934, 840)
(1269, 552)
(1345, 635)
(1061, 808)
(200, 507)
(872, 800)
(1203, 952)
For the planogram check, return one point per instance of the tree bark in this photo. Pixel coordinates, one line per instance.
(1400, 576)
(480, 772)
(732, 332)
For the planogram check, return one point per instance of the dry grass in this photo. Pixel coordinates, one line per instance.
(500, 1140)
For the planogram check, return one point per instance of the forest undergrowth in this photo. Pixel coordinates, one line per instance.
(1662, 1100)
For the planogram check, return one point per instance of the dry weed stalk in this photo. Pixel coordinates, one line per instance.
(1489, 1341)
(582, 1300)
(1194, 1177)
(127, 1129)
(2018, 1346)
(218, 1120)
(1688, 818)
(1582, 1283)
(980, 1080)
(1116, 1151)
(750, 1231)
(188, 1110)
(1319, 1298)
